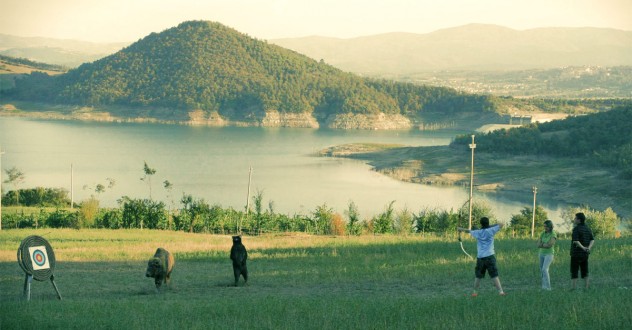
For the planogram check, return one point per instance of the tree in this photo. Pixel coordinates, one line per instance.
(385, 222)
(169, 187)
(603, 223)
(337, 225)
(482, 209)
(258, 201)
(196, 216)
(421, 221)
(438, 221)
(147, 178)
(15, 177)
(99, 188)
(88, 211)
(353, 226)
(521, 223)
(404, 222)
(323, 217)
(143, 213)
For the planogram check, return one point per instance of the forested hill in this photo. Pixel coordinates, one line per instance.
(603, 138)
(31, 64)
(206, 66)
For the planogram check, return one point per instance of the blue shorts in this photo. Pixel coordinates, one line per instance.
(486, 264)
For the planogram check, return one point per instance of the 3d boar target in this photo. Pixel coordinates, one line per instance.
(37, 259)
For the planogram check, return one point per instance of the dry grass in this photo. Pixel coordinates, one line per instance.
(304, 281)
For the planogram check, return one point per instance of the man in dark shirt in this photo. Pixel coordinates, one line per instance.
(580, 250)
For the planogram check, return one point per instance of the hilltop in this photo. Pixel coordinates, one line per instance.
(481, 59)
(206, 73)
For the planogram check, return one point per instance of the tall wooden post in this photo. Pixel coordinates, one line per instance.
(472, 146)
(535, 191)
(72, 192)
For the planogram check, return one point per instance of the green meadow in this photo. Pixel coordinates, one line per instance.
(308, 282)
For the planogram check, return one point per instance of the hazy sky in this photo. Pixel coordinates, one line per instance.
(130, 20)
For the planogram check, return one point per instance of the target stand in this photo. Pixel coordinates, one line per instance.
(37, 259)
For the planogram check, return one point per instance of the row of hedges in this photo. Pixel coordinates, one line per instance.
(197, 216)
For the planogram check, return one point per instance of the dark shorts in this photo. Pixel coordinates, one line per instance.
(486, 264)
(579, 263)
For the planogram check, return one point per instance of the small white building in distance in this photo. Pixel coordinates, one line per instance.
(519, 120)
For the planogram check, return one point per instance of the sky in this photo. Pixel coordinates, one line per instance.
(131, 20)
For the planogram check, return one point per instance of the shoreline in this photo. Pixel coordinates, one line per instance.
(272, 119)
(445, 165)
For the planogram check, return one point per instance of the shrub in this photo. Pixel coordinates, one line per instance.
(39, 196)
(88, 210)
(353, 226)
(143, 213)
(322, 220)
(404, 222)
(112, 219)
(337, 225)
(384, 223)
(63, 219)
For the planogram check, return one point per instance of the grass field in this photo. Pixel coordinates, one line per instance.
(307, 282)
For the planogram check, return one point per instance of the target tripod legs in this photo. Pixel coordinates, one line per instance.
(27, 286)
(52, 280)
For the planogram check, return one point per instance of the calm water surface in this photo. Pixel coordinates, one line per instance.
(213, 164)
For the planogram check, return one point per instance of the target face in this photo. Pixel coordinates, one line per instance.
(39, 257)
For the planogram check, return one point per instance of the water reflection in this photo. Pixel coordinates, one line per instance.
(214, 163)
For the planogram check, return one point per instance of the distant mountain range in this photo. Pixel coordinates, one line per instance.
(473, 47)
(65, 52)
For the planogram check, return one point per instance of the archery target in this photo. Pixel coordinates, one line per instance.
(39, 257)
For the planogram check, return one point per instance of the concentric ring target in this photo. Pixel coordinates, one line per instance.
(36, 257)
(39, 257)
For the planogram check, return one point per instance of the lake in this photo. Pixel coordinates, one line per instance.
(214, 164)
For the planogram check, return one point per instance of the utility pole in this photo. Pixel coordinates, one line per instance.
(472, 146)
(247, 198)
(535, 191)
(72, 193)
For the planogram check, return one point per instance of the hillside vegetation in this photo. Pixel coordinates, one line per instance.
(206, 73)
(6, 61)
(11, 68)
(63, 52)
(571, 82)
(603, 138)
(582, 160)
(209, 67)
